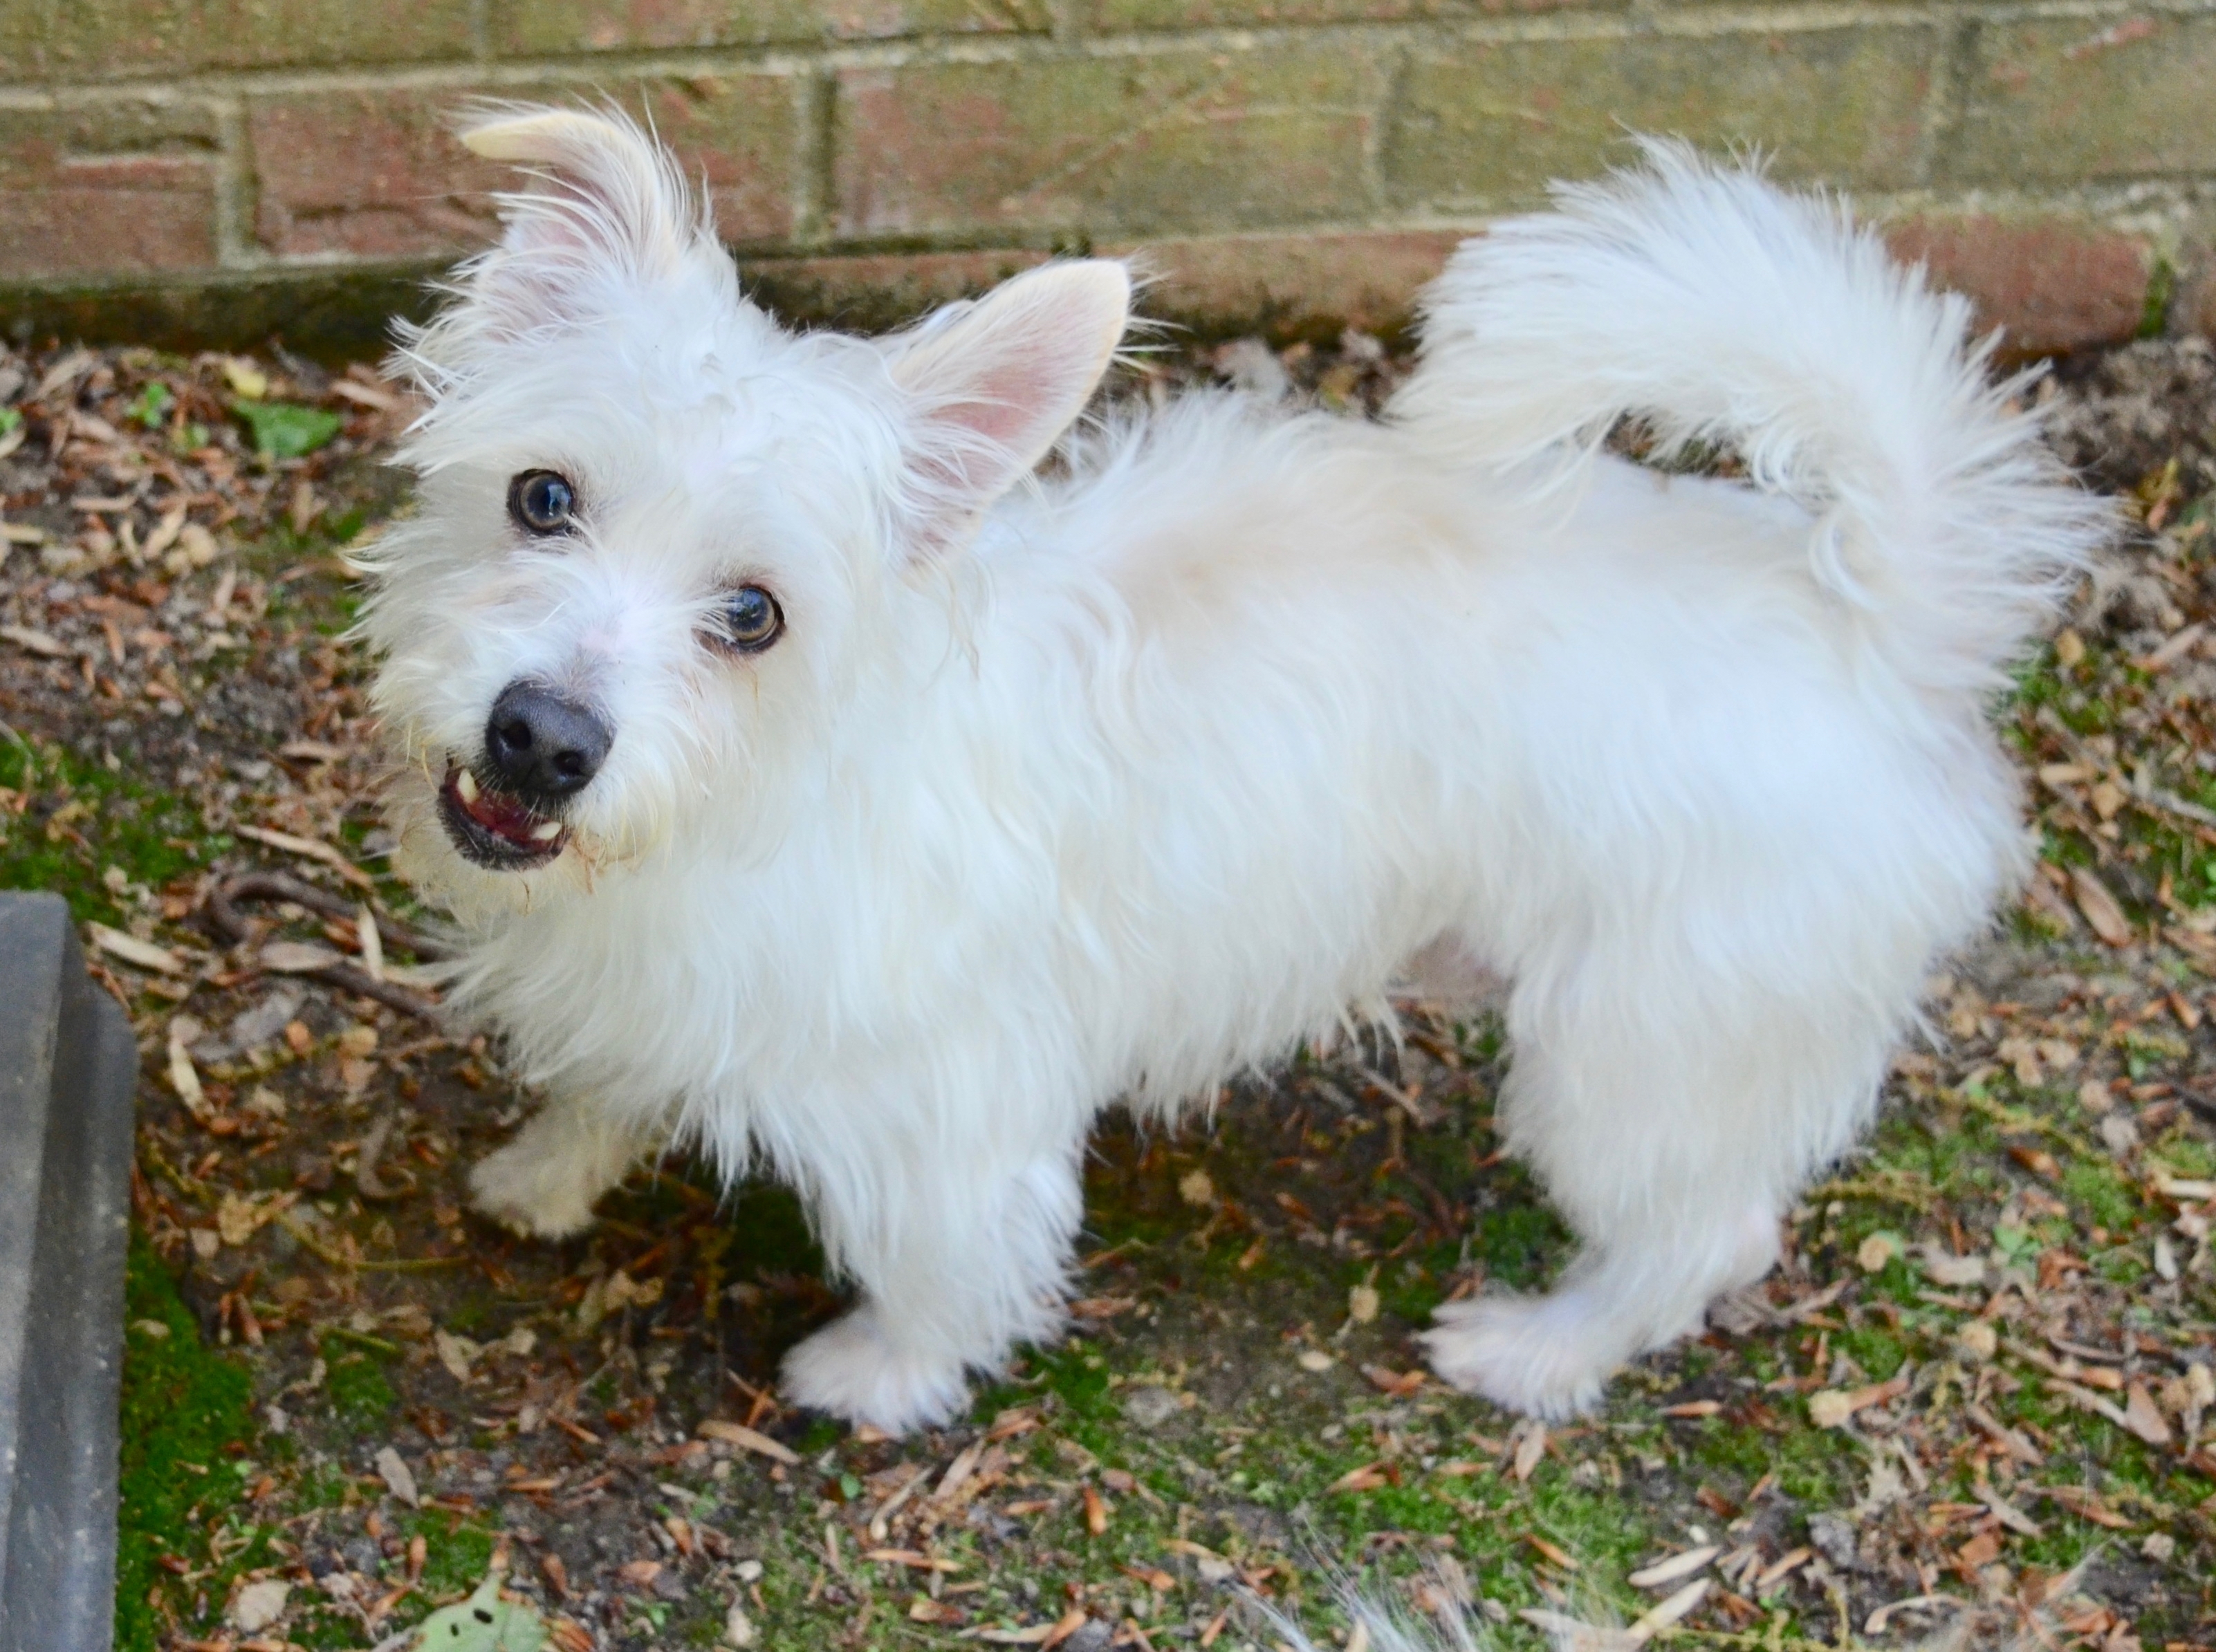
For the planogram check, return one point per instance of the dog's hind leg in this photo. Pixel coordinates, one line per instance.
(1673, 1149)
(1635, 1290)
(546, 1183)
(962, 1250)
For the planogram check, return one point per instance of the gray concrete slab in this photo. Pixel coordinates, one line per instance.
(68, 1070)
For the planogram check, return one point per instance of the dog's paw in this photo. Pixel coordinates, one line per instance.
(536, 1192)
(852, 1370)
(1534, 1354)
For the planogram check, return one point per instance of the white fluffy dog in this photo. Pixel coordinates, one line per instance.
(814, 785)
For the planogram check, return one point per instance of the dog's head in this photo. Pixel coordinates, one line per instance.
(669, 557)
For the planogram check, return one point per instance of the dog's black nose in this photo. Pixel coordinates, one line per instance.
(541, 747)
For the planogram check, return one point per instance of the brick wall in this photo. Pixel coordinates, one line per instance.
(224, 166)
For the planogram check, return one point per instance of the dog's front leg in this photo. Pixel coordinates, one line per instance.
(545, 1183)
(962, 1250)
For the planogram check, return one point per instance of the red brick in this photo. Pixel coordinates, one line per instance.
(380, 174)
(1100, 145)
(120, 191)
(2053, 283)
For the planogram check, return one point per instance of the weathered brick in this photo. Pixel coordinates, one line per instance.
(51, 38)
(124, 189)
(2053, 283)
(531, 26)
(378, 175)
(1106, 146)
(1491, 122)
(2071, 99)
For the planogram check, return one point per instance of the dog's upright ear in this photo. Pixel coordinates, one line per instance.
(606, 207)
(991, 385)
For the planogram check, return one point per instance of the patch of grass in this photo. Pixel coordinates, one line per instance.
(187, 1410)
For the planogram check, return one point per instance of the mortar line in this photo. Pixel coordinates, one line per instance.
(2190, 195)
(816, 113)
(1949, 102)
(235, 191)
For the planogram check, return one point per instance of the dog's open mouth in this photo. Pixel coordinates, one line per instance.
(493, 831)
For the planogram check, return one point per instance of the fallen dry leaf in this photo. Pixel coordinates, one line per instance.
(145, 954)
(1676, 1566)
(2100, 908)
(1530, 1449)
(398, 1478)
(1833, 1407)
(1368, 1478)
(737, 1433)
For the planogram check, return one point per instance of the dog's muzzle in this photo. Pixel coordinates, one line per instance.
(494, 831)
(541, 750)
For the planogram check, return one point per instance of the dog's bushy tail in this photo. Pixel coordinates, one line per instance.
(1722, 309)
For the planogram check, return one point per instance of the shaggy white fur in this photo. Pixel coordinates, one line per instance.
(1051, 792)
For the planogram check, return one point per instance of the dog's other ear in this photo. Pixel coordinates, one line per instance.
(995, 383)
(606, 203)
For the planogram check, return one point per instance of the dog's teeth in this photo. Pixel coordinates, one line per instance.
(465, 786)
(546, 831)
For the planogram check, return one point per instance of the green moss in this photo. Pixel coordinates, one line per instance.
(1605, 1530)
(1878, 1352)
(1519, 1242)
(2119, 1266)
(2188, 1157)
(1079, 1376)
(2104, 1195)
(1411, 1288)
(2154, 310)
(355, 1381)
(84, 818)
(188, 1411)
(768, 1229)
(457, 1554)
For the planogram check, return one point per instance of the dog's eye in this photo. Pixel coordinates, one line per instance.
(541, 501)
(749, 621)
